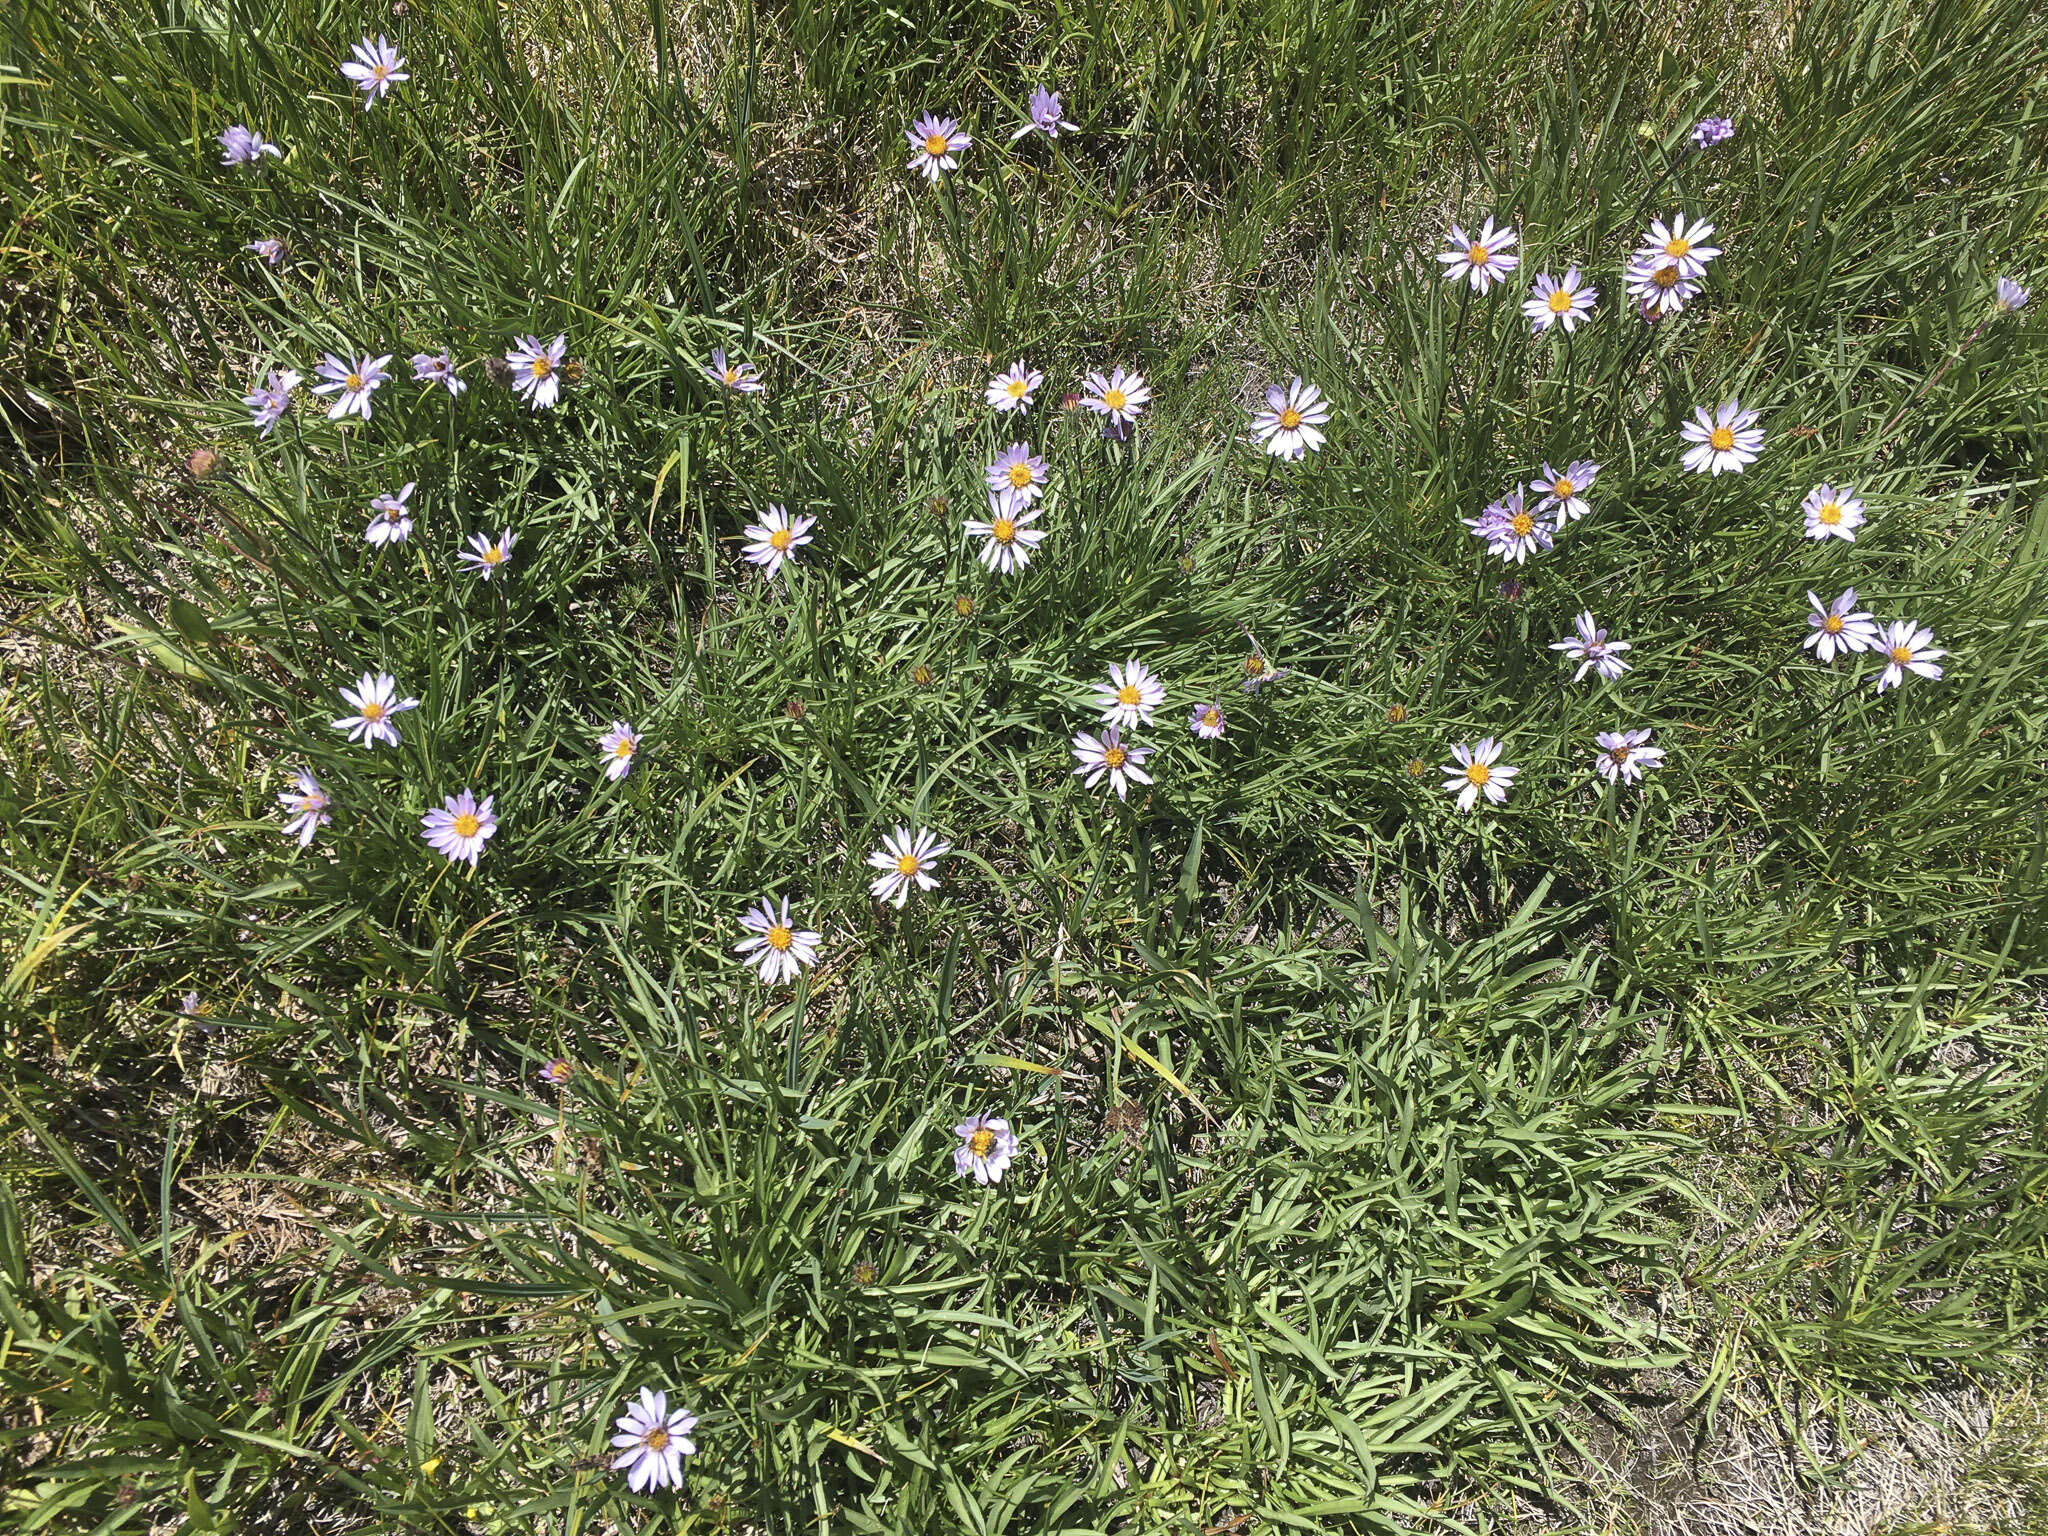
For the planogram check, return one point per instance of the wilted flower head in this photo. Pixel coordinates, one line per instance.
(1478, 771)
(987, 1147)
(1832, 514)
(351, 383)
(651, 1442)
(307, 803)
(1008, 534)
(375, 68)
(269, 248)
(1906, 649)
(2011, 296)
(390, 521)
(241, 146)
(1566, 301)
(1623, 755)
(1709, 131)
(776, 538)
(1012, 391)
(432, 368)
(1481, 259)
(537, 369)
(1043, 115)
(1726, 440)
(905, 860)
(935, 144)
(776, 947)
(618, 748)
(556, 1071)
(1110, 754)
(376, 704)
(1118, 398)
(1838, 628)
(269, 401)
(1288, 425)
(201, 462)
(740, 378)
(487, 556)
(460, 829)
(1592, 650)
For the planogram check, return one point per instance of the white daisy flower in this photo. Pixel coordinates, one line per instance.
(619, 747)
(1119, 397)
(376, 703)
(487, 556)
(905, 861)
(935, 145)
(740, 378)
(460, 828)
(1623, 755)
(1483, 259)
(776, 538)
(537, 369)
(308, 803)
(1110, 754)
(1012, 391)
(1010, 538)
(1592, 650)
(1726, 440)
(1288, 425)
(390, 521)
(1567, 302)
(1130, 695)
(269, 248)
(1564, 495)
(652, 1442)
(987, 1147)
(1680, 244)
(1478, 771)
(269, 401)
(375, 69)
(1839, 628)
(1658, 284)
(1510, 529)
(431, 368)
(1832, 514)
(1906, 649)
(2011, 296)
(776, 948)
(352, 383)
(1207, 721)
(1019, 472)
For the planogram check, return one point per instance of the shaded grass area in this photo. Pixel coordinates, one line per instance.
(1373, 1153)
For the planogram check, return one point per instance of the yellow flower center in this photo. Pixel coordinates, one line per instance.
(1676, 247)
(1114, 757)
(779, 937)
(1721, 439)
(1560, 301)
(964, 606)
(779, 540)
(907, 866)
(354, 381)
(1014, 389)
(372, 710)
(1619, 754)
(730, 376)
(1523, 524)
(541, 366)
(1211, 719)
(1002, 530)
(379, 72)
(625, 748)
(981, 1142)
(1254, 665)
(1020, 475)
(1479, 773)
(1114, 399)
(466, 825)
(494, 555)
(1128, 694)
(393, 514)
(1290, 418)
(1665, 277)
(1563, 489)
(1830, 512)
(935, 145)
(1900, 654)
(1832, 623)
(657, 1439)
(1478, 255)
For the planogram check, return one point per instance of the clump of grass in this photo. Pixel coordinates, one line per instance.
(1368, 1148)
